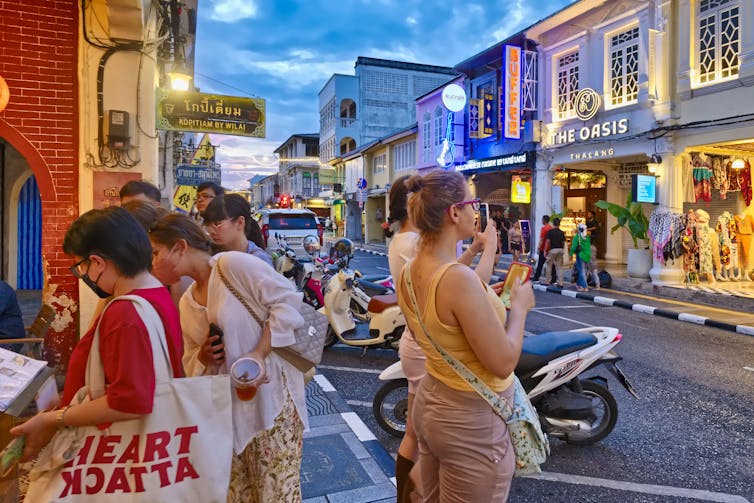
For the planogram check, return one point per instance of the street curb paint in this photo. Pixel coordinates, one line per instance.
(651, 310)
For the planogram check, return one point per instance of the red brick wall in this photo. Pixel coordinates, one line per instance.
(38, 60)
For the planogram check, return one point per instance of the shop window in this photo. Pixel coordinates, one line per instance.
(439, 129)
(586, 180)
(379, 162)
(568, 84)
(404, 155)
(624, 67)
(426, 132)
(529, 84)
(719, 38)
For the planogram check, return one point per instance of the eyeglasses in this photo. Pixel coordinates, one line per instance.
(75, 268)
(475, 204)
(204, 196)
(216, 226)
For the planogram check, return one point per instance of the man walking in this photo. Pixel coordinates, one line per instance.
(554, 250)
(541, 246)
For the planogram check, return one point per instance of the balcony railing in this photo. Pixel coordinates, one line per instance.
(347, 121)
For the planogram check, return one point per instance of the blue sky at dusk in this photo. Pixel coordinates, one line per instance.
(285, 50)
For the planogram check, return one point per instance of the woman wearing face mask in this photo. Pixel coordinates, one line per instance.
(268, 429)
(113, 257)
(231, 228)
(581, 247)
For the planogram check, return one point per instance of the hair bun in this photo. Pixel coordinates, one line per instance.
(415, 183)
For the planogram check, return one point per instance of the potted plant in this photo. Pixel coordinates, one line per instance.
(631, 218)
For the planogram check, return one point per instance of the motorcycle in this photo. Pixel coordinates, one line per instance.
(306, 275)
(386, 321)
(578, 410)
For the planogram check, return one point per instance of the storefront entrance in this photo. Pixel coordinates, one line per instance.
(581, 191)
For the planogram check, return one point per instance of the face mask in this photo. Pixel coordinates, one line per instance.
(94, 286)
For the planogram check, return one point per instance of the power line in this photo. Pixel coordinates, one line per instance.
(226, 84)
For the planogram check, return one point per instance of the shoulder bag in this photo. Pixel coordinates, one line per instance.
(306, 352)
(529, 442)
(158, 457)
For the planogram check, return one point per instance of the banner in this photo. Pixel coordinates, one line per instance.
(512, 112)
(210, 113)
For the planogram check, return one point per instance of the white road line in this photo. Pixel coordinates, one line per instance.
(394, 481)
(358, 427)
(382, 268)
(350, 369)
(691, 318)
(562, 318)
(564, 307)
(678, 492)
(323, 382)
(359, 403)
(750, 369)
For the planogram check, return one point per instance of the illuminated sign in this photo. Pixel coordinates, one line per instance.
(585, 133)
(454, 97)
(512, 112)
(587, 104)
(520, 190)
(644, 188)
(494, 162)
(597, 153)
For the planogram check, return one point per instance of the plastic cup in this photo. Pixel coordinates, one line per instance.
(244, 373)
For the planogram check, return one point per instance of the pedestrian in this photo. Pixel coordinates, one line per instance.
(504, 226)
(465, 452)
(268, 429)
(581, 248)
(541, 247)
(205, 193)
(113, 257)
(140, 190)
(515, 240)
(328, 224)
(554, 252)
(592, 228)
(11, 322)
(231, 227)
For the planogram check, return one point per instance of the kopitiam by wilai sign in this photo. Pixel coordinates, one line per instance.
(512, 112)
(210, 113)
(587, 104)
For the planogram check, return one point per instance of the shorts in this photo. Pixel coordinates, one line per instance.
(516, 247)
(412, 360)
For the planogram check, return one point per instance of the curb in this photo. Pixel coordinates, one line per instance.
(383, 458)
(656, 311)
(373, 252)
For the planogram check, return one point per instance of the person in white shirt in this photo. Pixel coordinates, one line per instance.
(268, 429)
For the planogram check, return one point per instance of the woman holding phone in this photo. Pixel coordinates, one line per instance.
(465, 452)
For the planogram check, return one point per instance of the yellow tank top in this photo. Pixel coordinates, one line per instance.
(450, 338)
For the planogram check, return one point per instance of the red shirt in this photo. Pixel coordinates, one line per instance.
(542, 238)
(127, 353)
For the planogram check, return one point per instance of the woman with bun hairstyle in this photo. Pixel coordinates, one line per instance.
(465, 452)
(231, 227)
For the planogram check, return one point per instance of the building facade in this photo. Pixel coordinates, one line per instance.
(298, 172)
(433, 127)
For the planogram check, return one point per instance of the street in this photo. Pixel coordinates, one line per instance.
(689, 437)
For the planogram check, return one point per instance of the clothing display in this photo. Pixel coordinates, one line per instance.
(726, 232)
(709, 248)
(702, 178)
(744, 231)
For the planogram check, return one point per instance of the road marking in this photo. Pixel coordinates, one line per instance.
(350, 369)
(382, 268)
(678, 492)
(323, 383)
(358, 427)
(569, 293)
(565, 307)
(750, 369)
(359, 403)
(605, 301)
(742, 329)
(641, 308)
(562, 318)
(691, 318)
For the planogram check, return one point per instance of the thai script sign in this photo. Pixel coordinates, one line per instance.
(193, 175)
(210, 113)
(512, 112)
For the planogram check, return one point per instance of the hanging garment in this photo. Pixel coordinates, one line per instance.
(705, 236)
(690, 247)
(744, 180)
(687, 180)
(702, 178)
(720, 177)
(734, 182)
(744, 231)
(726, 239)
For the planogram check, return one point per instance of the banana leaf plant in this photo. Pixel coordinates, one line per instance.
(631, 217)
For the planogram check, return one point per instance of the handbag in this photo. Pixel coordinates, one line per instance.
(158, 457)
(306, 352)
(530, 444)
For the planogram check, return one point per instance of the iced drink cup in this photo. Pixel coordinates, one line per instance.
(244, 373)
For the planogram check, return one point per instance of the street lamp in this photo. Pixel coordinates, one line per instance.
(180, 79)
(738, 164)
(654, 163)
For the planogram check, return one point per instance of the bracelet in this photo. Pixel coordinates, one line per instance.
(60, 416)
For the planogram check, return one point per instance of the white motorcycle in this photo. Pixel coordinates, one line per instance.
(578, 410)
(386, 321)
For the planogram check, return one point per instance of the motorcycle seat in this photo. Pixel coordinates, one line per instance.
(539, 349)
(372, 289)
(379, 303)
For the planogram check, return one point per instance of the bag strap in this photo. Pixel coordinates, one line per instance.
(501, 406)
(95, 370)
(237, 294)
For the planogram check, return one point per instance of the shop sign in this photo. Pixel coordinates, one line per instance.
(587, 104)
(106, 187)
(512, 112)
(597, 153)
(493, 162)
(454, 97)
(520, 190)
(194, 175)
(184, 198)
(585, 133)
(210, 113)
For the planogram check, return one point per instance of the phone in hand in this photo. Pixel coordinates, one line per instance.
(517, 270)
(484, 215)
(216, 330)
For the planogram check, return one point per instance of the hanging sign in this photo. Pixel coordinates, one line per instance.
(454, 97)
(512, 112)
(194, 175)
(520, 190)
(184, 197)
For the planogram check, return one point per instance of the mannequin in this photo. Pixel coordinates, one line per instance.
(726, 231)
(744, 231)
(709, 247)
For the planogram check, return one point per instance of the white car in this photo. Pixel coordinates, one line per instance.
(293, 225)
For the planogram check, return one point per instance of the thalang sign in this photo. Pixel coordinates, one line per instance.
(210, 113)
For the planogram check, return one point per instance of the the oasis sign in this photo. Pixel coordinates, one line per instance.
(587, 104)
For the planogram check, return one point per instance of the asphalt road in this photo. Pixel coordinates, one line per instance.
(689, 437)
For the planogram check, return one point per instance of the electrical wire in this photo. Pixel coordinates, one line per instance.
(247, 93)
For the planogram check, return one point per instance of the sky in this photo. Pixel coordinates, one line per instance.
(285, 51)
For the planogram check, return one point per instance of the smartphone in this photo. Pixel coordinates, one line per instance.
(484, 214)
(215, 330)
(11, 455)
(517, 270)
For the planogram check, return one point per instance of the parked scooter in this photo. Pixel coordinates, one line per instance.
(306, 275)
(578, 410)
(386, 321)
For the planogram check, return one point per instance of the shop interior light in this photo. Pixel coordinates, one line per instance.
(738, 164)
(654, 163)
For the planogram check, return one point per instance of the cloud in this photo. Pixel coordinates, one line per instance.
(230, 11)
(410, 20)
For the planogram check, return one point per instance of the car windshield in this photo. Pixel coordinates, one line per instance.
(283, 222)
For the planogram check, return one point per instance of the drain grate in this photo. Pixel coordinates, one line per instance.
(317, 403)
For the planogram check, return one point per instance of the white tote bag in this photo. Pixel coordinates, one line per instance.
(182, 451)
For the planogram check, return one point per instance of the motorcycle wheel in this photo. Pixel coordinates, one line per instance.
(331, 338)
(604, 420)
(390, 407)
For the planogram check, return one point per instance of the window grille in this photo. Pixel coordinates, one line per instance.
(426, 134)
(404, 155)
(719, 39)
(568, 84)
(624, 67)
(379, 163)
(438, 127)
(529, 88)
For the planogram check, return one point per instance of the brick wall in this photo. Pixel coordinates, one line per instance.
(38, 60)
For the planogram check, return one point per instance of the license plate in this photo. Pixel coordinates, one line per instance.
(293, 241)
